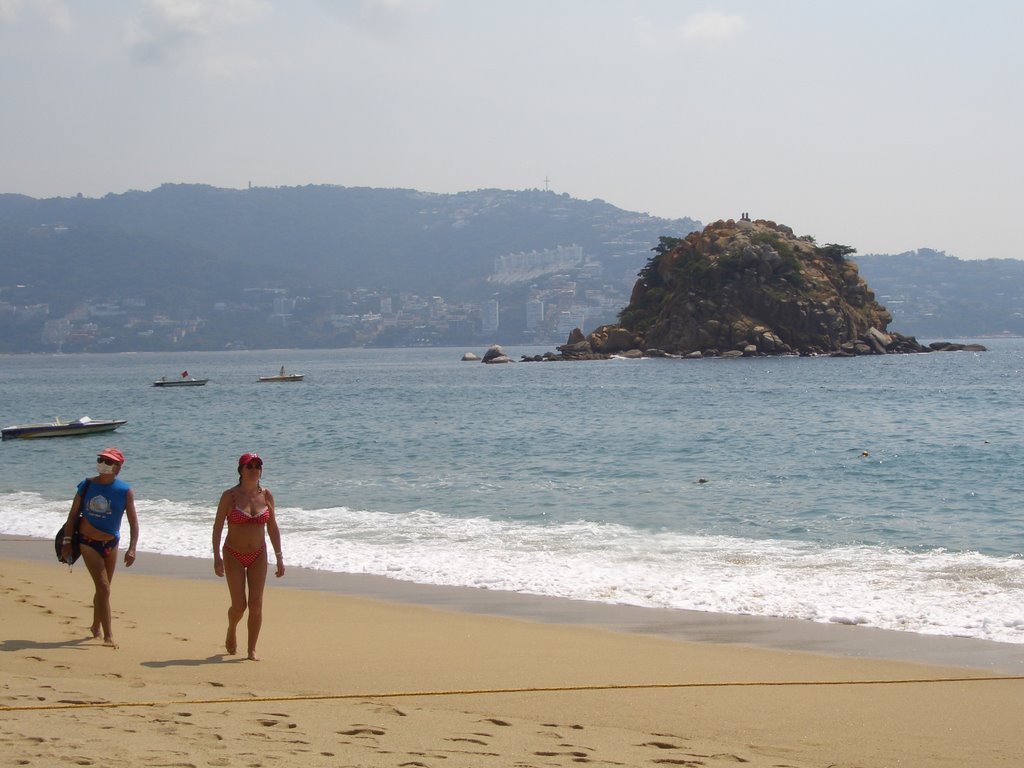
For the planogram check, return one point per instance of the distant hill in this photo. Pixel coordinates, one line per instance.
(198, 243)
(932, 295)
(200, 267)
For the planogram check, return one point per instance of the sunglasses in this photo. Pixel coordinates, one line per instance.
(105, 460)
(254, 465)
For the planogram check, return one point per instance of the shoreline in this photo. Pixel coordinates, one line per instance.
(679, 625)
(367, 673)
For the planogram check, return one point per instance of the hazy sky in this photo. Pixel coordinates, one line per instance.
(885, 125)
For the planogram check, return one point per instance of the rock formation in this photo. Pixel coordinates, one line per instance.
(744, 288)
(495, 354)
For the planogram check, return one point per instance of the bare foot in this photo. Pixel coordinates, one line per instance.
(230, 644)
(109, 643)
(95, 629)
(253, 656)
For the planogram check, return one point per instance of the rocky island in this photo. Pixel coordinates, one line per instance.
(742, 288)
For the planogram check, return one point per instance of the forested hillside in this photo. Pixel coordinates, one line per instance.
(198, 267)
(933, 295)
(194, 238)
(194, 266)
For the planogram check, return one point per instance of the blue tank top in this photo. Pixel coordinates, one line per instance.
(103, 505)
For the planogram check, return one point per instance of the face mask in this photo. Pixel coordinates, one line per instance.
(104, 469)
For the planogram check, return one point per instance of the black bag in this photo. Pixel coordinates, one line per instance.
(58, 545)
(58, 541)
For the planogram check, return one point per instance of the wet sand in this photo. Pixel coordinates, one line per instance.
(365, 671)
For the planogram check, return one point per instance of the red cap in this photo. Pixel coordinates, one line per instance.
(245, 458)
(112, 453)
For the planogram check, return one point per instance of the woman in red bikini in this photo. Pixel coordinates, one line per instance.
(248, 509)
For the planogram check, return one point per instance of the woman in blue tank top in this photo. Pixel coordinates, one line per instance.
(100, 505)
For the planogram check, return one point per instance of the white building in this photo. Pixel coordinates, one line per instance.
(490, 316)
(515, 267)
(284, 307)
(567, 320)
(534, 314)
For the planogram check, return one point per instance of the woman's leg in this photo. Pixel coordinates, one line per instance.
(256, 575)
(101, 568)
(234, 574)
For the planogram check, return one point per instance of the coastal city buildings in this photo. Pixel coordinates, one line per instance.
(542, 310)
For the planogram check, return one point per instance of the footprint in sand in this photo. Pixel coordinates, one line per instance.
(382, 709)
(363, 731)
(576, 755)
(659, 745)
(688, 758)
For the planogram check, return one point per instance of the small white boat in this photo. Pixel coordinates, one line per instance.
(59, 428)
(184, 381)
(282, 376)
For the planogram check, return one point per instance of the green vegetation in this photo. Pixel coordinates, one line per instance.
(765, 237)
(215, 240)
(176, 266)
(836, 252)
(665, 244)
(935, 296)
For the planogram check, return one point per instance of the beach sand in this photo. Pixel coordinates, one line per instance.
(348, 680)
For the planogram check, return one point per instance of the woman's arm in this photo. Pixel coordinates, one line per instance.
(133, 523)
(274, 532)
(218, 527)
(69, 526)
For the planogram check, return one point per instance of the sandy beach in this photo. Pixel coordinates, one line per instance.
(354, 680)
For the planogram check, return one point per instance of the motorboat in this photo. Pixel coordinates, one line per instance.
(60, 428)
(189, 382)
(182, 381)
(282, 376)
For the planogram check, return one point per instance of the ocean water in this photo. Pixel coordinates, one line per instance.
(882, 491)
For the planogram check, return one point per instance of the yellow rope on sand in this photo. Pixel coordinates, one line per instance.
(480, 691)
